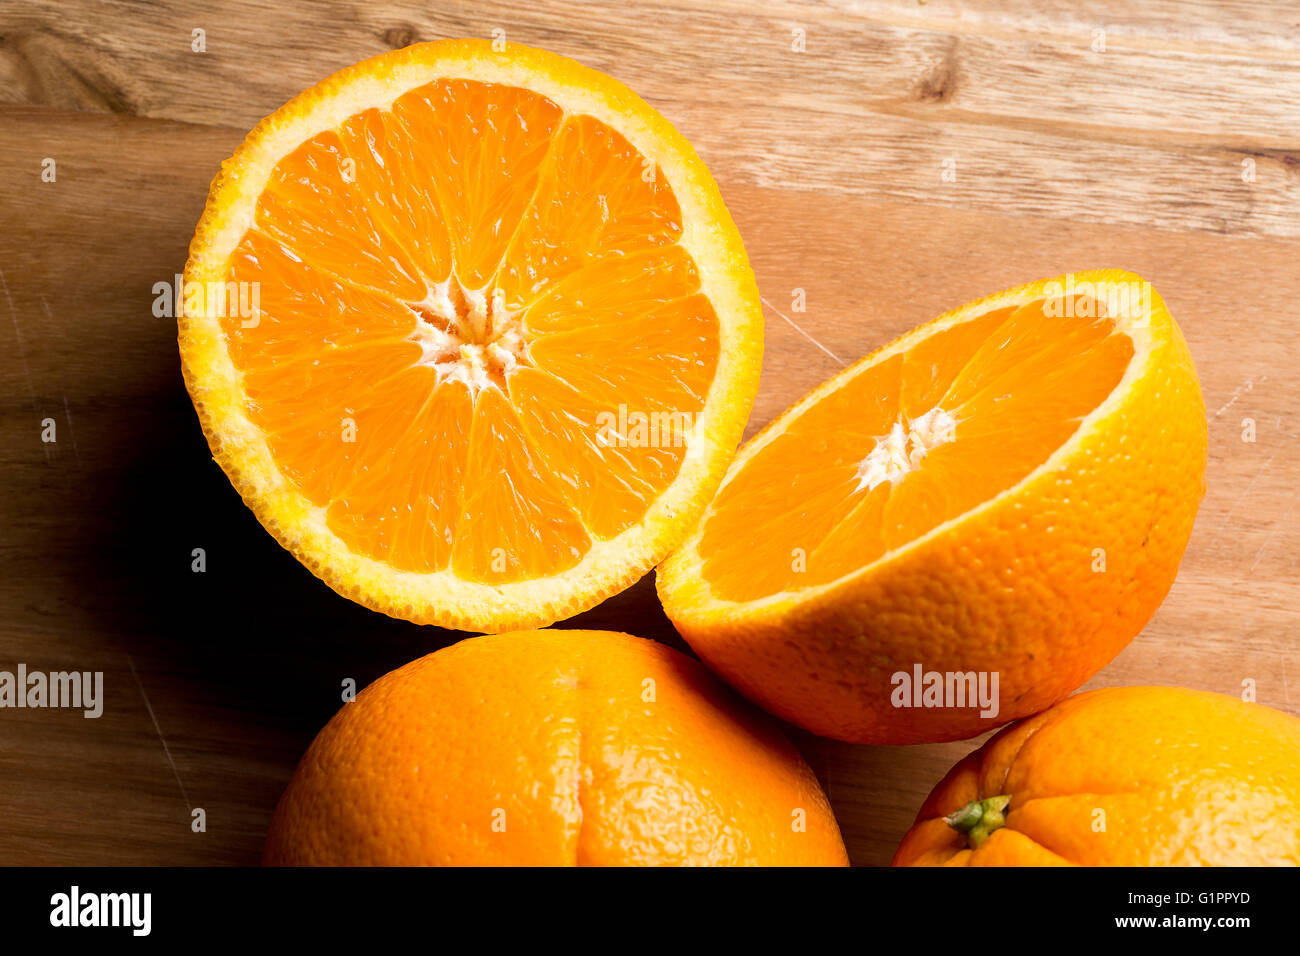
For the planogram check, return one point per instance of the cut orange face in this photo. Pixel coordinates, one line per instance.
(472, 333)
(999, 499)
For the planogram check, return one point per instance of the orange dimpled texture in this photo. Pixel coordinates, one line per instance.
(1129, 776)
(552, 748)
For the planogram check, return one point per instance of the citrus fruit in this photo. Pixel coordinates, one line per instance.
(1127, 776)
(552, 748)
(471, 332)
(962, 527)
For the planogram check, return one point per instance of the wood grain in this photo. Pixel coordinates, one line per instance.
(830, 161)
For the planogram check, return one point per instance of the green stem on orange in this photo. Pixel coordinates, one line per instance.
(979, 818)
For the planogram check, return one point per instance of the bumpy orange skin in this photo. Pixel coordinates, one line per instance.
(1009, 588)
(552, 748)
(1128, 776)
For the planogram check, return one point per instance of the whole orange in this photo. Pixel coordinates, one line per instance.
(1128, 776)
(552, 748)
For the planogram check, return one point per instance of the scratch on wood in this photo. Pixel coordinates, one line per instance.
(72, 435)
(166, 750)
(1250, 484)
(1236, 394)
(22, 356)
(796, 327)
(1268, 537)
(67, 410)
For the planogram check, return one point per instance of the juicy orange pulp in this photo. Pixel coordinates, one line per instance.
(912, 441)
(453, 292)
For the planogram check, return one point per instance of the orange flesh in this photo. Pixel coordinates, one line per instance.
(977, 407)
(467, 302)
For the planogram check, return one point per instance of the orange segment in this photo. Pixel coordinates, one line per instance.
(599, 198)
(606, 471)
(611, 291)
(481, 146)
(393, 174)
(663, 361)
(532, 530)
(302, 312)
(403, 502)
(934, 363)
(314, 206)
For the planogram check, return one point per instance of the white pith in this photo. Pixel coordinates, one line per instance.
(901, 451)
(469, 336)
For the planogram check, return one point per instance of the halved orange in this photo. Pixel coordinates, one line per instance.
(472, 333)
(997, 500)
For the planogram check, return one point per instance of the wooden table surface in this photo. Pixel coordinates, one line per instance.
(1163, 137)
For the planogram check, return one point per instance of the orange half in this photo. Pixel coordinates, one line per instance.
(472, 333)
(1002, 494)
